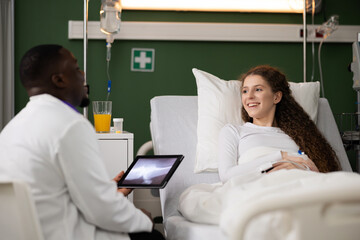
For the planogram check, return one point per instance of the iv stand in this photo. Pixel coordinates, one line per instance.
(85, 34)
(357, 146)
(304, 41)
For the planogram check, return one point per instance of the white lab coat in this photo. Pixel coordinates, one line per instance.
(54, 149)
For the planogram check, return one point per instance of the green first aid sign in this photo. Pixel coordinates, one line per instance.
(142, 59)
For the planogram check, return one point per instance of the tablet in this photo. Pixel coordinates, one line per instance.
(150, 171)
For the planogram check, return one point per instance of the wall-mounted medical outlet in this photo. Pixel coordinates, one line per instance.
(313, 33)
(318, 34)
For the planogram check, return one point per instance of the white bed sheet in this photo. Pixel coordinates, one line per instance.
(231, 205)
(178, 228)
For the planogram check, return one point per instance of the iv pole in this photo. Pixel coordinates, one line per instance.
(85, 35)
(304, 40)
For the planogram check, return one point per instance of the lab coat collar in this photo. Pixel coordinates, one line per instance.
(51, 98)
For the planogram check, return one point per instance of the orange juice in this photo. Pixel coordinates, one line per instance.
(102, 122)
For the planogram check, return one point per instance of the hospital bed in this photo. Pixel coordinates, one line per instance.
(174, 131)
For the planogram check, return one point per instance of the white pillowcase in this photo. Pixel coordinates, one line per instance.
(219, 103)
(307, 95)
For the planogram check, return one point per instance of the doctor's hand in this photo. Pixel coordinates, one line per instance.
(288, 165)
(125, 191)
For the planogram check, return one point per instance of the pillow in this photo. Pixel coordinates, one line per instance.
(307, 95)
(219, 103)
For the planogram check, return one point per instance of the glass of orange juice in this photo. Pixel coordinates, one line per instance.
(102, 116)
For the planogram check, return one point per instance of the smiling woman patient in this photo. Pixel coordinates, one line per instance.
(274, 124)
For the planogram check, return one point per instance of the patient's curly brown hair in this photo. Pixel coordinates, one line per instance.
(291, 118)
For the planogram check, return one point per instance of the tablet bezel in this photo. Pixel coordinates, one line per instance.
(177, 162)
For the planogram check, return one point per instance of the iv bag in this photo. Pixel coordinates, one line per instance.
(110, 16)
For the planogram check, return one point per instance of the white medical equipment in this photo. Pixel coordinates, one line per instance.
(355, 65)
(174, 130)
(350, 122)
(110, 20)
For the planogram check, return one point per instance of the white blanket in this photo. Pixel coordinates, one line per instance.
(232, 204)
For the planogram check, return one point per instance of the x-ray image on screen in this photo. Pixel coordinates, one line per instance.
(149, 171)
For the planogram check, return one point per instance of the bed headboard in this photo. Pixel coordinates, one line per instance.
(173, 130)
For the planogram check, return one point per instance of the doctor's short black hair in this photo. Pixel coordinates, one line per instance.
(38, 63)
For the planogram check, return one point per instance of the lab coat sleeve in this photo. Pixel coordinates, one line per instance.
(90, 187)
(228, 155)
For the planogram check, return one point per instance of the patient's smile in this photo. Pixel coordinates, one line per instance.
(258, 100)
(253, 104)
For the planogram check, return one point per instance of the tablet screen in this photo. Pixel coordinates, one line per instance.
(150, 171)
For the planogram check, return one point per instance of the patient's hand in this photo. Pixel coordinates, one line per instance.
(286, 165)
(125, 191)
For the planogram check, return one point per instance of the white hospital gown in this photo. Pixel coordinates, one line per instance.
(235, 141)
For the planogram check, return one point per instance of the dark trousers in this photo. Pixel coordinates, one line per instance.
(154, 235)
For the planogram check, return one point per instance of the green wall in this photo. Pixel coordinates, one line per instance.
(46, 21)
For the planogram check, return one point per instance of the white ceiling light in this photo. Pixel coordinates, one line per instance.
(281, 6)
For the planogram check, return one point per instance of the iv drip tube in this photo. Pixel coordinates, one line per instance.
(304, 40)
(108, 57)
(110, 19)
(326, 29)
(320, 68)
(313, 42)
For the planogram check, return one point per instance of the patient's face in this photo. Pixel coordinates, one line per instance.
(259, 100)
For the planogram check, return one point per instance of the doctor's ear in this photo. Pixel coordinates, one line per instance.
(278, 97)
(58, 80)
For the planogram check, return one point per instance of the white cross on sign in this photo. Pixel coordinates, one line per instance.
(142, 59)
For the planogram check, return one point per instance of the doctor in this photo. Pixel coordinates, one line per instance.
(54, 149)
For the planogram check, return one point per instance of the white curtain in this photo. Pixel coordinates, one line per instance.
(6, 61)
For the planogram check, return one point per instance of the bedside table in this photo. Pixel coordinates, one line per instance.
(117, 150)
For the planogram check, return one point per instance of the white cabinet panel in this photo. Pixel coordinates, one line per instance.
(117, 151)
(115, 155)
